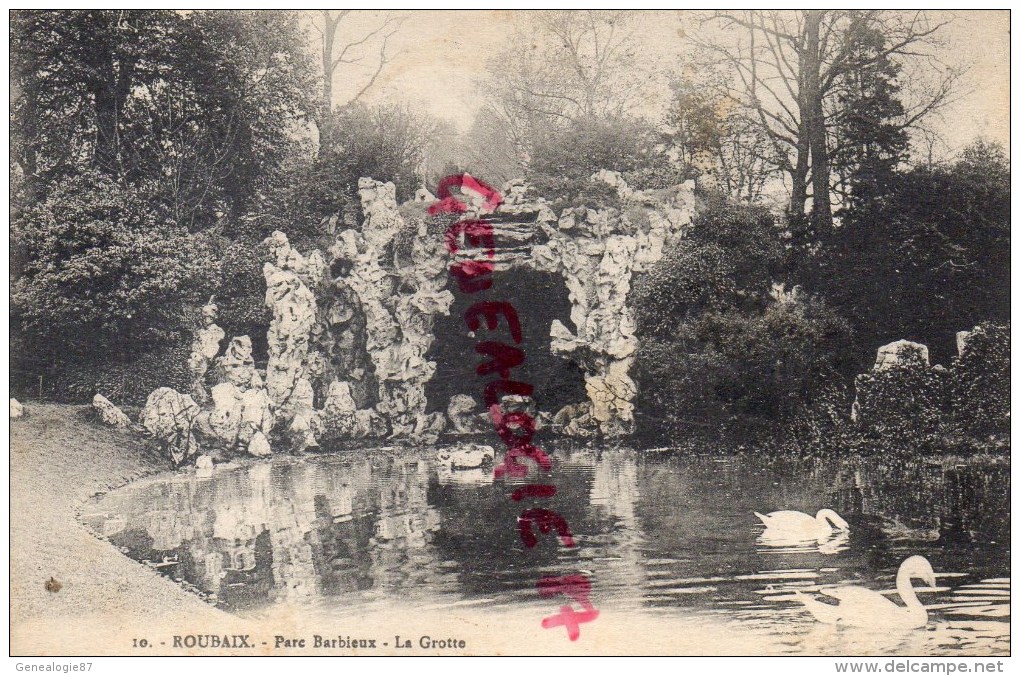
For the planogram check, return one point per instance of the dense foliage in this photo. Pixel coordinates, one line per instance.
(565, 156)
(929, 259)
(153, 151)
(719, 354)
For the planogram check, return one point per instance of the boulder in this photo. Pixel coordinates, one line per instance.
(17, 410)
(238, 415)
(962, 337)
(168, 417)
(109, 414)
(237, 366)
(465, 415)
(901, 353)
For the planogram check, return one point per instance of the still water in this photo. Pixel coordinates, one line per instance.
(658, 534)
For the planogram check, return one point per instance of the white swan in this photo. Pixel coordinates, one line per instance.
(861, 607)
(790, 524)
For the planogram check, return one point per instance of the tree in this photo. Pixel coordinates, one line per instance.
(195, 107)
(73, 73)
(929, 259)
(711, 137)
(343, 49)
(230, 117)
(720, 356)
(792, 67)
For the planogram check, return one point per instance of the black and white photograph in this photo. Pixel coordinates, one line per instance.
(510, 332)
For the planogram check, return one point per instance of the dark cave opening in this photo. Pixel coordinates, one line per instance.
(539, 298)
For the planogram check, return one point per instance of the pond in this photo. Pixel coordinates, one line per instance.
(657, 533)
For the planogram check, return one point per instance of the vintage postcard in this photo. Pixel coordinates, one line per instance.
(576, 332)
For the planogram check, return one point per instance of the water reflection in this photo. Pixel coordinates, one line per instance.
(656, 533)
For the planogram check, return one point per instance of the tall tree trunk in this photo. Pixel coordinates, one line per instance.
(821, 212)
(110, 90)
(325, 116)
(799, 175)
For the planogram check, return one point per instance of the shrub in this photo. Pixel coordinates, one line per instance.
(739, 375)
(104, 271)
(127, 382)
(980, 382)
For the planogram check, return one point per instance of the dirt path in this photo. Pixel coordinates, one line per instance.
(59, 458)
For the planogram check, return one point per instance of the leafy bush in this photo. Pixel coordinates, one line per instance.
(564, 159)
(124, 383)
(980, 382)
(738, 375)
(111, 273)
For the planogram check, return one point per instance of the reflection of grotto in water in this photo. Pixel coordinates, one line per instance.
(658, 534)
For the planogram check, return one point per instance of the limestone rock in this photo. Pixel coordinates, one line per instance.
(465, 415)
(17, 410)
(961, 341)
(423, 195)
(597, 252)
(901, 353)
(399, 307)
(259, 445)
(615, 180)
(237, 366)
(379, 205)
(109, 414)
(238, 415)
(576, 420)
(341, 418)
(293, 308)
(168, 416)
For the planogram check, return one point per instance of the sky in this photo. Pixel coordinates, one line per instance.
(442, 55)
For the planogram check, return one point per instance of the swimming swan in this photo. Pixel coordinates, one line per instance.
(861, 607)
(798, 524)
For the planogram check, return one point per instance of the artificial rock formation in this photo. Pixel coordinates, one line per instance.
(348, 340)
(108, 413)
(399, 303)
(169, 417)
(597, 252)
(293, 307)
